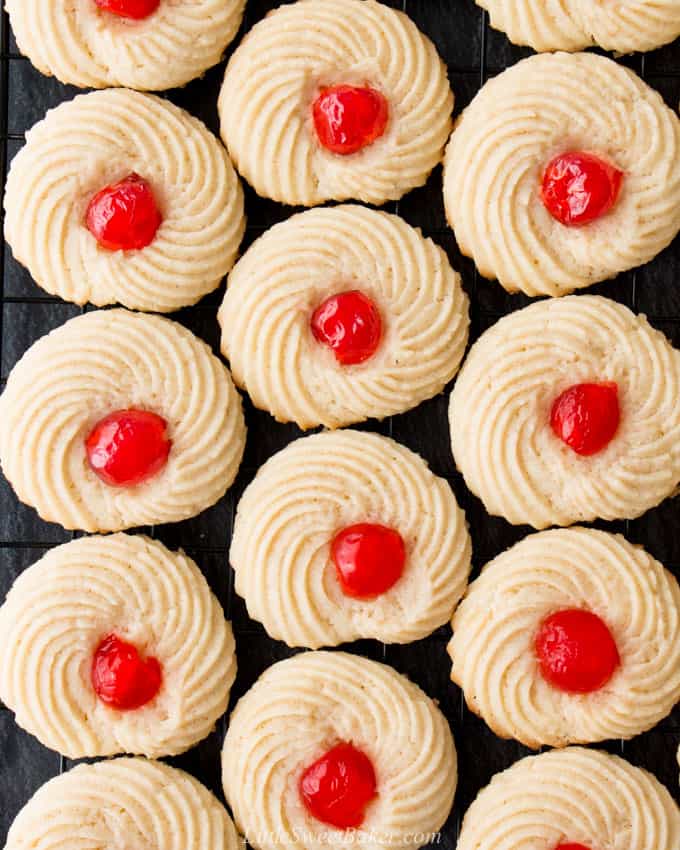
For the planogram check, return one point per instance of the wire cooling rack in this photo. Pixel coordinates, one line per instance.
(473, 52)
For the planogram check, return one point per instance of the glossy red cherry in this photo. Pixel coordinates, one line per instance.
(587, 416)
(576, 651)
(124, 216)
(122, 679)
(369, 559)
(350, 325)
(337, 788)
(134, 9)
(579, 187)
(128, 447)
(349, 118)
(573, 846)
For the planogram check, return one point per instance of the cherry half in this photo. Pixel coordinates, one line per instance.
(134, 9)
(587, 416)
(128, 447)
(350, 325)
(369, 559)
(349, 118)
(579, 187)
(572, 846)
(337, 787)
(124, 216)
(121, 678)
(576, 651)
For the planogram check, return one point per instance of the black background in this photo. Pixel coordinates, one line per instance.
(473, 52)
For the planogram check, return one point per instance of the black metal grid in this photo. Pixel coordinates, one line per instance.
(473, 52)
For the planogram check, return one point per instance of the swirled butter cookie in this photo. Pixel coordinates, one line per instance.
(573, 799)
(347, 752)
(127, 802)
(571, 636)
(120, 419)
(566, 411)
(341, 314)
(115, 644)
(142, 44)
(123, 197)
(333, 100)
(376, 540)
(575, 24)
(562, 172)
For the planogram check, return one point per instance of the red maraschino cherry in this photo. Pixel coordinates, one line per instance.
(349, 118)
(580, 187)
(128, 447)
(337, 788)
(124, 216)
(576, 651)
(136, 10)
(572, 846)
(369, 559)
(121, 678)
(350, 325)
(587, 416)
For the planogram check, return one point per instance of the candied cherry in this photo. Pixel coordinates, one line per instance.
(572, 846)
(350, 325)
(337, 787)
(576, 651)
(124, 216)
(579, 187)
(128, 447)
(134, 9)
(121, 678)
(587, 416)
(349, 118)
(369, 559)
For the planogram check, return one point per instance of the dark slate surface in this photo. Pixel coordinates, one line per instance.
(472, 52)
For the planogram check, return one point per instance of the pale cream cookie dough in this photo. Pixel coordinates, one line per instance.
(94, 141)
(127, 802)
(99, 363)
(60, 610)
(495, 627)
(293, 268)
(542, 107)
(572, 796)
(623, 27)
(303, 706)
(290, 514)
(500, 414)
(86, 46)
(278, 71)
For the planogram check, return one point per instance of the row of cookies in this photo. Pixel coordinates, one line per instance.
(565, 411)
(121, 197)
(114, 644)
(155, 44)
(337, 749)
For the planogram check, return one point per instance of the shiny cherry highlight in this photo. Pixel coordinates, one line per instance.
(121, 678)
(349, 118)
(350, 325)
(576, 651)
(587, 416)
(124, 216)
(136, 10)
(128, 447)
(369, 559)
(579, 187)
(337, 788)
